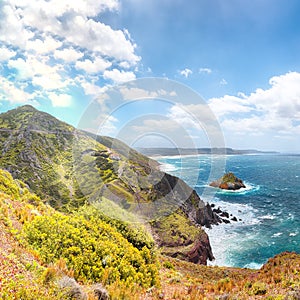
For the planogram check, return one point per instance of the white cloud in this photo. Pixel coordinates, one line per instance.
(281, 99)
(137, 93)
(6, 54)
(186, 72)
(180, 115)
(205, 70)
(12, 29)
(276, 109)
(74, 24)
(124, 65)
(230, 104)
(40, 41)
(68, 55)
(43, 46)
(52, 81)
(11, 93)
(24, 70)
(157, 126)
(60, 100)
(118, 76)
(96, 66)
(89, 87)
(38, 72)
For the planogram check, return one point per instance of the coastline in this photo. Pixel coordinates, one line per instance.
(269, 226)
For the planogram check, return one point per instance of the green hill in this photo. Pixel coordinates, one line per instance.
(70, 169)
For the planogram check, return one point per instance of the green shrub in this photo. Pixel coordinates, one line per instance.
(259, 288)
(92, 248)
(135, 233)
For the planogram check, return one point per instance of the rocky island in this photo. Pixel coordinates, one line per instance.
(228, 182)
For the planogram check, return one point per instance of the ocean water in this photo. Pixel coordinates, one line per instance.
(269, 207)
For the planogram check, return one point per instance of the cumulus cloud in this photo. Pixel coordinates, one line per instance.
(68, 55)
(43, 45)
(89, 87)
(118, 76)
(96, 66)
(186, 72)
(6, 54)
(12, 92)
(60, 100)
(274, 109)
(47, 44)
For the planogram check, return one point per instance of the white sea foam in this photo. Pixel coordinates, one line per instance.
(267, 217)
(278, 234)
(165, 167)
(223, 238)
(249, 188)
(293, 233)
(245, 212)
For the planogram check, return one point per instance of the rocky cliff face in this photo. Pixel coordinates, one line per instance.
(69, 168)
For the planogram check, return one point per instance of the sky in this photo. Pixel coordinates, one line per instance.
(237, 62)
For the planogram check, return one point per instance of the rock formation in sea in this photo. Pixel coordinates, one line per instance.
(228, 182)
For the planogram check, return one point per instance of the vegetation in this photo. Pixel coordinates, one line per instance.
(278, 279)
(80, 245)
(229, 178)
(46, 254)
(93, 249)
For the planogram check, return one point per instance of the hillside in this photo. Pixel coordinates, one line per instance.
(42, 254)
(45, 253)
(69, 168)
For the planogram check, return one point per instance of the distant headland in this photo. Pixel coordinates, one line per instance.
(195, 151)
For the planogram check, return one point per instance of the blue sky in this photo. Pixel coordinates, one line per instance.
(242, 57)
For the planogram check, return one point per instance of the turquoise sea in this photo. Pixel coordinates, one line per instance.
(269, 207)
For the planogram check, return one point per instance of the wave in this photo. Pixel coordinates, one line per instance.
(267, 217)
(293, 233)
(253, 265)
(278, 234)
(245, 212)
(165, 167)
(224, 236)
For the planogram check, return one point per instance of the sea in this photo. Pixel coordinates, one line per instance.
(268, 208)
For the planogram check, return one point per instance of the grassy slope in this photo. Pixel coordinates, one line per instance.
(25, 274)
(68, 169)
(40, 245)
